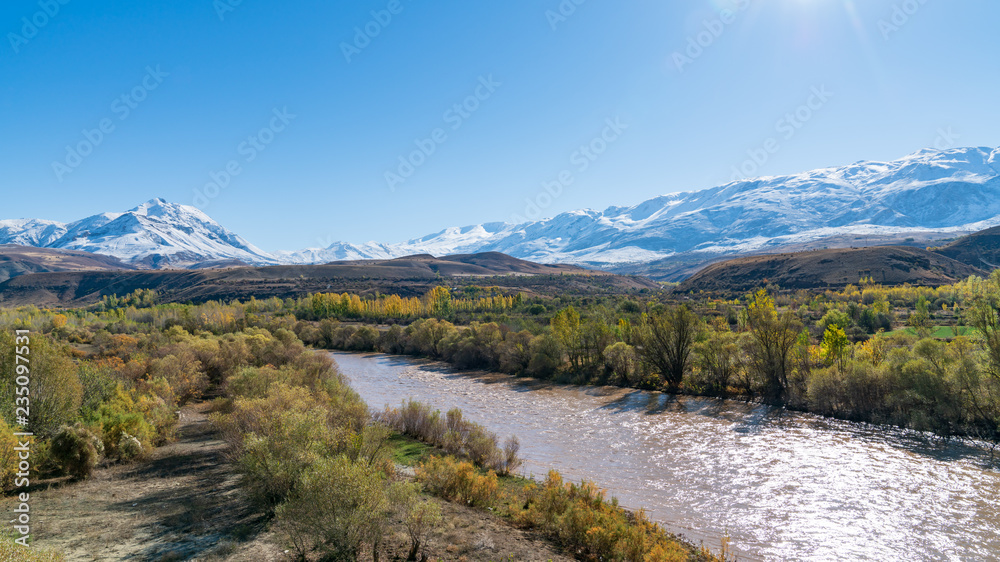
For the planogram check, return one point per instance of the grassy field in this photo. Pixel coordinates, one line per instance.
(941, 332)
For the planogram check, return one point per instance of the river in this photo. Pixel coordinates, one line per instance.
(781, 485)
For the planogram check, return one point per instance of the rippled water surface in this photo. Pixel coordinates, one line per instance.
(784, 486)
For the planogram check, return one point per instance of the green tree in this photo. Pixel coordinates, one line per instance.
(439, 301)
(55, 389)
(566, 328)
(718, 357)
(835, 345)
(667, 341)
(773, 337)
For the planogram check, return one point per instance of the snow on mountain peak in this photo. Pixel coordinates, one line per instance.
(155, 233)
(952, 190)
(949, 190)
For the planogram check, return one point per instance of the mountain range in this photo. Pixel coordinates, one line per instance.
(156, 234)
(923, 197)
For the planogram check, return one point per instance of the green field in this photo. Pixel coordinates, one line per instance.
(941, 332)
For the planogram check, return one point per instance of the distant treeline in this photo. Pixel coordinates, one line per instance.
(917, 357)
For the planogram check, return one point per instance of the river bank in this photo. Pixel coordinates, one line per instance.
(783, 485)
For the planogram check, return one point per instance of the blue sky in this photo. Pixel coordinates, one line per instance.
(311, 105)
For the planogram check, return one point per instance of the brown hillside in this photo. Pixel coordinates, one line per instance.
(981, 249)
(22, 260)
(887, 265)
(410, 276)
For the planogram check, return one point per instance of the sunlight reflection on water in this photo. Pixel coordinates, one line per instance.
(785, 486)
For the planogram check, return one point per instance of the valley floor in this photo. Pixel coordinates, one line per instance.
(184, 503)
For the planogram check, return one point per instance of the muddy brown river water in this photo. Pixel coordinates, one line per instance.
(783, 486)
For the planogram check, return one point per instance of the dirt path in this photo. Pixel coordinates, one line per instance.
(180, 504)
(183, 503)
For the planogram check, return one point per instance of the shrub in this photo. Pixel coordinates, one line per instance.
(364, 338)
(620, 360)
(74, 448)
(273, 460)
(56, 392)
(546, 356)
(184, 373)
(454, 434)
(459, 481)
(419, 517)
(8, 457)
(119, 416)
(337, 508)
(579, 518)
(129, 447)
(510, 459)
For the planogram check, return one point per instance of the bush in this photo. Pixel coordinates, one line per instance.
(75, 449)
(419, 516)
(546, 356)
(8, 457)
(337, 508)
(129, 447)
(56, 392)
(454, 434)
(621, 361)
(121, 416)
(579, 518)
(459, 481)
(273, 458)
(184, 373)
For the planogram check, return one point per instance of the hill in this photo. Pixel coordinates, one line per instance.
(408, 276)
(981, 249)
(22, 260)
(887, 265)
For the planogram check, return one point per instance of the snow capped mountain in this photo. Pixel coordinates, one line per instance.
(30, 232)
(930, 191)
(930, 194)
(154, 234)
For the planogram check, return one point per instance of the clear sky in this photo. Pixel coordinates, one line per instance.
(310, 104)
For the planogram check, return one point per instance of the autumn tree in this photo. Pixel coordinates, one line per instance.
(566, 328)
(772, 338)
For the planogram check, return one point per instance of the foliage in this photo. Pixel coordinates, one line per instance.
(75, 449)
(337, 507)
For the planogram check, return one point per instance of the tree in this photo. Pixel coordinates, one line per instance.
(439, 301)
(718, 357)
(620, 359)
(772, 337)
(566, 328)
(984, 315)
(834, 346)
(667, 341)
